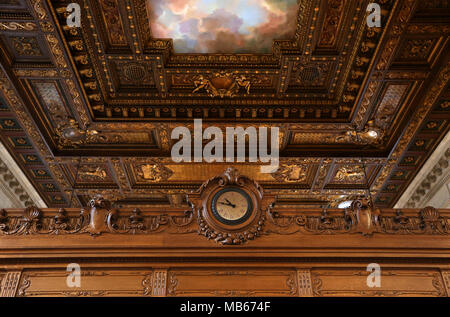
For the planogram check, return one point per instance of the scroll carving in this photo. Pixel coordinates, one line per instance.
(147, 284)
(18, 26)
(361, 218)
(100, 218)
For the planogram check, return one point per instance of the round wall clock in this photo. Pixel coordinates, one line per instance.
(231, 206)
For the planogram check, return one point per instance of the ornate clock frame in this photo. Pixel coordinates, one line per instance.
(225, 234)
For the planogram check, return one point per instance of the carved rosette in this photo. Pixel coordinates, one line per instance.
(211, 228)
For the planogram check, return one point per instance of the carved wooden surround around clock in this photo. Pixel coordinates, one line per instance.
(201, 201)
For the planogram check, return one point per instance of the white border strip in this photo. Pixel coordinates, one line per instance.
(21, 178)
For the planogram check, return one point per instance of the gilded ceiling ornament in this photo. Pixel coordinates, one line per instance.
(371, 135)
(164, 139)
(389, 105)
(395, 31)
(308, 74)
(222, 84)
(46, 26)
(92, 173)
(39, 9)
(417, 49)
(291, 173)
(121, 174)
(36, 72)
(156, 172)
(18, 26)
(113, 22)
(70, 134)
(18, 106)
(56, 50)
(332, 21)
(366, 102)
(50, 97)
(26, 46)
(428, 28)
(350, 173)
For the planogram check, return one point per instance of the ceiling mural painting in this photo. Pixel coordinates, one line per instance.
(90, 110)
(215, 26)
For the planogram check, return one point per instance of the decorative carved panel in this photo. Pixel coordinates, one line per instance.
(304, 283)
(159, 283)
(394, 282)
(9, 284)
(232, 282)
(93, 281)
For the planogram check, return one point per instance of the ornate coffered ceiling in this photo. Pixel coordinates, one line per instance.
(91, 109)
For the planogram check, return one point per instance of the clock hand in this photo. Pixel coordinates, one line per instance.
(234, 206)
(227, 204)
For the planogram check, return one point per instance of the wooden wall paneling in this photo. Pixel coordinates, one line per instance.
(222, 280)
(94, 282)
(232, 282)
(394, 282)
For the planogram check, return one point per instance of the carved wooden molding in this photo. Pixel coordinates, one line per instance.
(101, 218)
(159, 282)
(10, 283)
(304, 283)
(361, 218)
(446, 279)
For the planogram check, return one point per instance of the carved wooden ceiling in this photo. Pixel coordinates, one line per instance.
(88, 110)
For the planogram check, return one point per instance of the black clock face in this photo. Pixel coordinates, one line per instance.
(231, 206)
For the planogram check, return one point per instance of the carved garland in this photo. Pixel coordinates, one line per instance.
(359, 218)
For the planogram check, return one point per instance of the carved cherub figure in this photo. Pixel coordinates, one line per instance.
(243, 82)
(98, 172)
(350, 173)
(203, 83)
